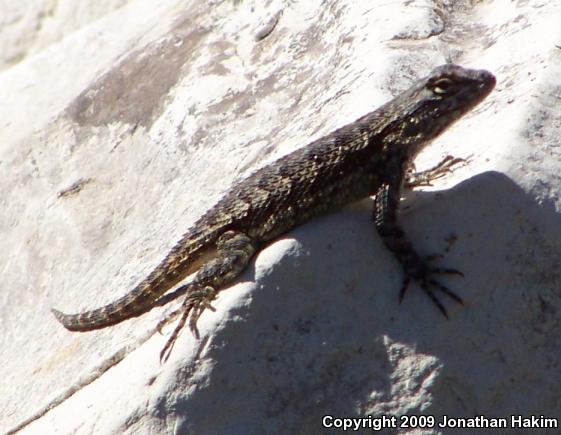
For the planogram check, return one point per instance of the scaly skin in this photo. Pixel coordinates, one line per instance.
(369, 157)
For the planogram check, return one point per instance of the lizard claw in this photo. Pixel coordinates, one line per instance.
(430, 285)
(446, 271)
(404, 286)
(441, 270)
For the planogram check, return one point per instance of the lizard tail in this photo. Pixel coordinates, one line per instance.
(133, 304)
(175, 267)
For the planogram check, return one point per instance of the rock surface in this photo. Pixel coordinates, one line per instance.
(121, 129)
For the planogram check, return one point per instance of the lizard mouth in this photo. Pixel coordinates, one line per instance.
(488, 81)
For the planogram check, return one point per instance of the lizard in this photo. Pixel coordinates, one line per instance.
(370, 157)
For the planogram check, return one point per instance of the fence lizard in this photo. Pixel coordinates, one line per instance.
(372, 156)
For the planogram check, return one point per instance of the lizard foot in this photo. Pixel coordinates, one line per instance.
(424, 275)
(194, 305)
(424, 178)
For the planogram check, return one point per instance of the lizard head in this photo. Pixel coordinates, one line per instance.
(435, 102)
(453, 90)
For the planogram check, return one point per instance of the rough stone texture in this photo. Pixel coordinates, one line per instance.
(28, 26)
(114, 139)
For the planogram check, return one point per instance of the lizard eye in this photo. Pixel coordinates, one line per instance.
(442, 86)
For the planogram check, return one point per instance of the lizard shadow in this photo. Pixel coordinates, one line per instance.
(323, 333)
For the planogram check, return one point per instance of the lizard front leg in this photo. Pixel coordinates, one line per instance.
(386, 204)
(234, 251)
(424, 178)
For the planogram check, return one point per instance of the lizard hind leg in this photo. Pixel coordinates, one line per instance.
(234, 251)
